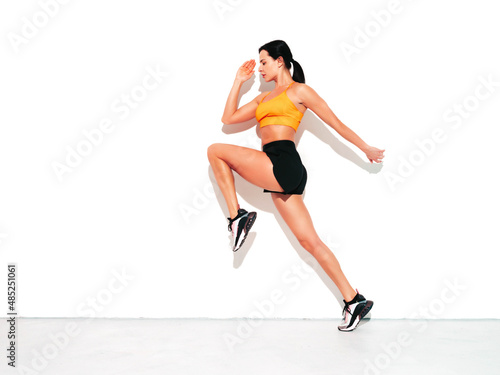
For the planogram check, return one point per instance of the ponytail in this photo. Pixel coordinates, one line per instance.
(298, 73)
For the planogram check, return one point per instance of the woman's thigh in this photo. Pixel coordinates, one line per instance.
(253, 165)
(296, 215)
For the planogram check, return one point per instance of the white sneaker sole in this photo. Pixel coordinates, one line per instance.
(362, 314)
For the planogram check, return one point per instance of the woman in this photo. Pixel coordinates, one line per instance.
(278, 168)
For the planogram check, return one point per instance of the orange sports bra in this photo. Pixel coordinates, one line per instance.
(280, 110)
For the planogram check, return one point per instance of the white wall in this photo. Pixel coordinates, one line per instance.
(141, 203)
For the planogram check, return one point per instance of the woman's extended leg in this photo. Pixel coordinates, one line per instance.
(253, 165)
(296, 215)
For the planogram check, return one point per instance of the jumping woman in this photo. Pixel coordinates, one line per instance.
(278, 168)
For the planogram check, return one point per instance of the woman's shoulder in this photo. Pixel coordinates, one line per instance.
(305, 90)
(302, 89)
(301, 86)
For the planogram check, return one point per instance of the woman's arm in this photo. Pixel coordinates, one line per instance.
(315, 103)
(232, 114)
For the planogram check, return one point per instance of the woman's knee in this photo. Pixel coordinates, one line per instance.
(213, 149)
(312, 244)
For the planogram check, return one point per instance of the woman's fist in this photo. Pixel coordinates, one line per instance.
(374, 154)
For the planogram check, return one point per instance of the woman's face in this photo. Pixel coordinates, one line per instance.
(268, 66)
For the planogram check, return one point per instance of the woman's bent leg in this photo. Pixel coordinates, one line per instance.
(293, 210)
(253, 165)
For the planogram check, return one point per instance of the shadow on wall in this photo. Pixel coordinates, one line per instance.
(263, 202)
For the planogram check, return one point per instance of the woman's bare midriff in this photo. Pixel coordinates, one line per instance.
(271, 133)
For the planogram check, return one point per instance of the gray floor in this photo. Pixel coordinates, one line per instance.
(205, 346)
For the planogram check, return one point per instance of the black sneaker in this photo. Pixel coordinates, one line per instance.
(240, 226)
(354, 311)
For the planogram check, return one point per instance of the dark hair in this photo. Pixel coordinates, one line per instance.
(278, 48)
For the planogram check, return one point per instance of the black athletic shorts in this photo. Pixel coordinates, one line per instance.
(287, 167)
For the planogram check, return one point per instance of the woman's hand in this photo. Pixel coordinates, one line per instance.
(246, 71)
(374, 154)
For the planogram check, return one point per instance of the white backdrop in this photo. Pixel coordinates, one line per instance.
(108, 205)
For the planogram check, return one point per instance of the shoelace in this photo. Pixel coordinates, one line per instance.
(346, 308)
(230, 222)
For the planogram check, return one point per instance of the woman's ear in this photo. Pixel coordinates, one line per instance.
(281, 62)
